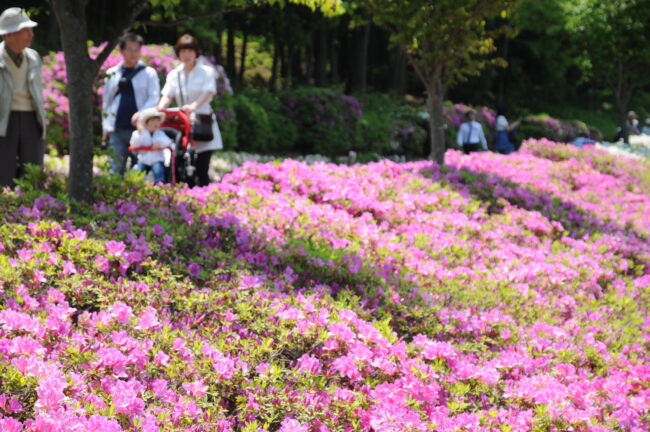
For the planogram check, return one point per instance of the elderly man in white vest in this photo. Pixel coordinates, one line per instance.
(22, 116)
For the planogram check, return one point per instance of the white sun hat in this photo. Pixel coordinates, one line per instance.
(149, 113)
(13, 20)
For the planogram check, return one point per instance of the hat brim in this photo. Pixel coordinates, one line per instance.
(19, 27)
(143, 120)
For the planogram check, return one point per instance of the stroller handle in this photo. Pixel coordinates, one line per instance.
(148, 148)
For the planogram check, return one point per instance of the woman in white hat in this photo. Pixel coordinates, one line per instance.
(22, 115)
(148, 134)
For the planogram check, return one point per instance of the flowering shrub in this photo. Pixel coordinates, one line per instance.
(327, 121)
(489, 294)
(455, 115)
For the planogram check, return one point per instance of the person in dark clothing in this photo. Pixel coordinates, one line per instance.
(130, 87)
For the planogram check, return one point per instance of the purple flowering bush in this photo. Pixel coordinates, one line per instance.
(492, 294)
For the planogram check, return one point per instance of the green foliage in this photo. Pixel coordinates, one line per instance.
(445, 39)
(22, 387)
(327, 121)
(261, 125)
(254, 128)
(614, 41)
(224, 106)
(390, 126)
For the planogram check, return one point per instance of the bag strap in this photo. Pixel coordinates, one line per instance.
(180, 88)
(130, 77)
(468, 139)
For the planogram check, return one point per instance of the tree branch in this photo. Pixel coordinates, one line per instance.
(192, 18)
(130, 20)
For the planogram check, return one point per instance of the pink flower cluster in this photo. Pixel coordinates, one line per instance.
(380, 297)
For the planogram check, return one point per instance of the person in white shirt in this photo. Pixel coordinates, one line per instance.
(646, 129)
(503, 143)
(193, 85)
(149, 135)
(129, 88)
(470, 135)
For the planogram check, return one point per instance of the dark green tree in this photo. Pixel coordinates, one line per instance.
(614, 41)
(445, 41)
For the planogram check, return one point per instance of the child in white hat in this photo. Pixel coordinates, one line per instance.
(148, 134)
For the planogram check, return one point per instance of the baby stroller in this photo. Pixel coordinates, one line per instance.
(177, 126)
(180, 161)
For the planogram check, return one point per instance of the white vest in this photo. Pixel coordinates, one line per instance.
(21, 100)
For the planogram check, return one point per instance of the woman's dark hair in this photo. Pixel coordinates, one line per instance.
(501, 110)
(187, 42)
(130, 37)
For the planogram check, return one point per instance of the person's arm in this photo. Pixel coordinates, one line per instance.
(169, 91)
(107, 98)
(481, 136)
(153, 89)
(135, 139)
(514, 125)
(165, 101)
(460, 137)
(202, 99)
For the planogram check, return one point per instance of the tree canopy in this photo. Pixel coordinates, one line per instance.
(445, 41)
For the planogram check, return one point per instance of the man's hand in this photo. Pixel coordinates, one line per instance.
(105, 137)
(134, 119)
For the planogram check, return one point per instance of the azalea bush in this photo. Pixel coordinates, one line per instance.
(493, 293)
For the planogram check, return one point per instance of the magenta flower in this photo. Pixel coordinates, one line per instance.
(292, 425)
(147, 319)
(194, 269)
(309, 364)
(115, 248)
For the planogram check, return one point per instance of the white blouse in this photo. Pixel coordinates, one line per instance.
(502, 123)
(144, 138)
(201, 79)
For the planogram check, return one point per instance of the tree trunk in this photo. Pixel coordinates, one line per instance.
(503, 74)
(285, 71)
(622, 121)
(623, 94)
(217, 52)
(81, 72)
(360, 61)
(320, 75)
(398, 78)
(335, 52)
(242, 63)
(436, 94)
(277, 47)
(231, 67)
